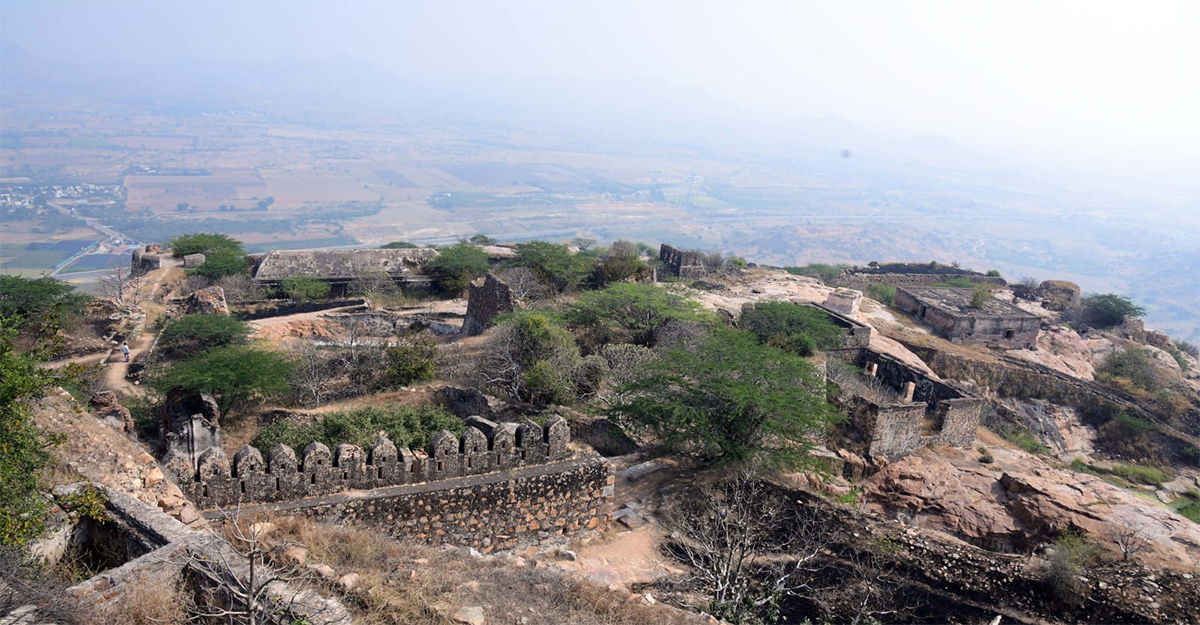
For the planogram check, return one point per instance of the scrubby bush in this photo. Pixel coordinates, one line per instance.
(412, 360)
(1060, 574)
(303, 288)
(398, 245)
(827, 274)
(882, 293)
(406, 426)
(980, 296)
(1130, 364)
(619, 262)
(1188, 348)
(1129, 436)
(35, 300)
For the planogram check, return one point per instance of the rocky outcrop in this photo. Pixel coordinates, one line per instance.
(107, 407)
(192, 261)
(1019, 501)
(466, 402)
(487, 297)
(207, 301)
(1058, 294)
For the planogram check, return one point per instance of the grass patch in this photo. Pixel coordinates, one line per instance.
(1188, 506)
(1023, 438)
(1131, 473)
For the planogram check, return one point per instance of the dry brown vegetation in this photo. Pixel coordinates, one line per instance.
(414, 584)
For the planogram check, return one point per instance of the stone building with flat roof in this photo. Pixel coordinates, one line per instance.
(340, 267)
(950, 313)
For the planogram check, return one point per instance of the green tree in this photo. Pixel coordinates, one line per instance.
(798, 329)
(1109, 309)
(234, 374)
(510, 361)
(24, 451)
(304, 288)
(412, 360)
(730, 400)
(398, 245)
(619, 262)
(38, 300)
(481, 239)
(204, 243)
(195, 333)
(634, 311)
(222, 262)
(554, 264)
(455, 267)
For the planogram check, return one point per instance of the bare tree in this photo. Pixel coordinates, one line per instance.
(374, 286)
(1130, 539)
(361, 359)
(123, 286)
(240, 287)
(248, 577)
(583, 243)
(314, 368)
(523, 283)
(625, 362)
(747, 546)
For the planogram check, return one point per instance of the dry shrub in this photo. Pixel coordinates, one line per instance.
(147, 600)
(394, 588)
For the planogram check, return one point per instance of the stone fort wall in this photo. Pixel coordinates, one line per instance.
(861, 281)
(526, 506)
(485, 447)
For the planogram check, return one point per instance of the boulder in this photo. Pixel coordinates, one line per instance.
(1021, 501)
(1058, 294)
(486, 297)
(466, 402)
(107, 407)
(208, 301)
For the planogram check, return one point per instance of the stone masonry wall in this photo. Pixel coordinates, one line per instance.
(526, 506)
(937, 415)
(681, 264)
(861, 281)
(484, 447)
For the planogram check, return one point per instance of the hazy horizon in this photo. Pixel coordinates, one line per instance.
(1072, 87)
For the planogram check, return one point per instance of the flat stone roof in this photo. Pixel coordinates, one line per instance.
(341, 265)
(957, 301)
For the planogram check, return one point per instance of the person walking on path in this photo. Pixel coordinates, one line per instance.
(125, 350)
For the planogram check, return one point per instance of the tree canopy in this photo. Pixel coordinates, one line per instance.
(455, 267)
(1109, 309)
(31, 300)
(204, 243)
(192, 334)
(223, 262)
(635, 311)
(398, 245)
(554, 264)
(731, 399)
(406, 426)
(233, 374)
(23, 450)
(798, 329)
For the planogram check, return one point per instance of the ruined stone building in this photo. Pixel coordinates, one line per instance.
(340, 267)
(914, 411)
(680, 264)
(950, 313)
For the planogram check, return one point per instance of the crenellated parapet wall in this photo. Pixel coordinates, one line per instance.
(485, 447)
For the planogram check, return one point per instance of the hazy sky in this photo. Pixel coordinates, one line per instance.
(1115, 81)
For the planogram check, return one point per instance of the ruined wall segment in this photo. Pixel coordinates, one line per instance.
(485, 447)
(929, 413)
(530, 505)
(681, 264)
